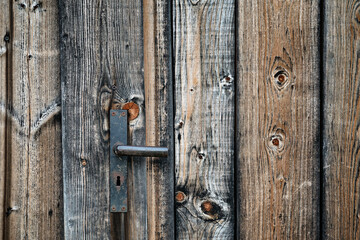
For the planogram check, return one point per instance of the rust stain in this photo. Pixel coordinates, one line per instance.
(133, 110)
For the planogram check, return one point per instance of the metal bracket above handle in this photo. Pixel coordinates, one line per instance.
(119, 154)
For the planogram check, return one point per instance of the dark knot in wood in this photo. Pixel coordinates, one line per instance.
(180, 197)
(211, 209)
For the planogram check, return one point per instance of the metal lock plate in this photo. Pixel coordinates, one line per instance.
(118, 165)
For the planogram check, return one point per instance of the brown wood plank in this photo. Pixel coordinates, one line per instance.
(159, 117)
(102, 67)
(18, 125)
(277, 139)
(4, 60)
(341, 120)
(45, 212)
(204, 118)
(33, 134)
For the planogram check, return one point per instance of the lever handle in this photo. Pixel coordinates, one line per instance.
(142, 151)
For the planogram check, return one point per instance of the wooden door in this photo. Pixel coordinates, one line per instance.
(256, 101)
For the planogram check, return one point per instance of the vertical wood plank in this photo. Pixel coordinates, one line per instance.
(204, 118)
(159, 117)
(102, 68)
(18, 124)
(277, 132)
(45, 194)
(4, 70)
(341, 120)
(84, 127)
(33, 134)
(124, 54)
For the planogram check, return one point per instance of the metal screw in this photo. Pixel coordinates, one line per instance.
(113, 113)
(123, 208)
(113, 87)
(123, 114)
(83, 162)
(113, 208)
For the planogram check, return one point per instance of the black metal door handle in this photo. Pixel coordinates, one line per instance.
(141, 151)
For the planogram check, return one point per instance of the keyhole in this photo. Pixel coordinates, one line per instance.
(118, 181)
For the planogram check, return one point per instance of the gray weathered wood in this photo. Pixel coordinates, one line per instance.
(4, 61)
(33, 135)
(102, 47)
(204, 120)
(18, 129)
(159, 117)
(277, 111)
(341, 120)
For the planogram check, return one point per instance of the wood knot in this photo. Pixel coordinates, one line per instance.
(22, 5)
(281, 77)
(226, 82)
(83, 162)
(281, 73)
(180, 197)
(276, 141)
(211, 209)
(357, 14)
(36, 6)
(356, 17)
(7, 37)
(133, 110)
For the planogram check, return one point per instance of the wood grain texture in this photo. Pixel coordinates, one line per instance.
(204, 44)
(159, 117)
(33, 127)
(102, 67)
(341, 120)
(277, 133)
(4, 61)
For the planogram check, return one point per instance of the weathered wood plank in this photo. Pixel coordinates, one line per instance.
(341, 120)
(102, 67)
(84, 127)
(159, 116)
(4, 71)
(45, 211)
(277, 132)
(124, 54)
(204, 118)
(18, 124)
(33, 135)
